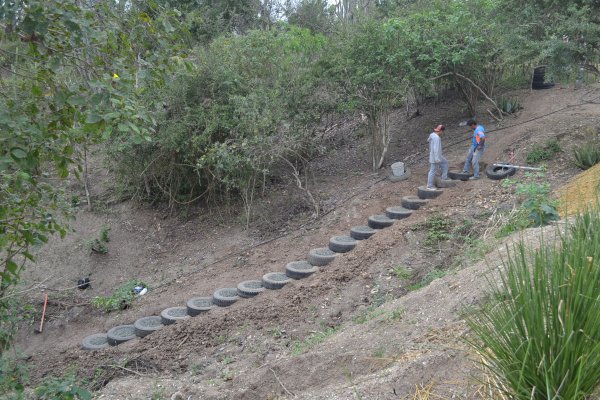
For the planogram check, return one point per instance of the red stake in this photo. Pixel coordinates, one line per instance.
(43, 313)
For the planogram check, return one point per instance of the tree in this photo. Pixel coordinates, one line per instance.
(72, 74)
(315, 15)
(563, 34)
(372, 70)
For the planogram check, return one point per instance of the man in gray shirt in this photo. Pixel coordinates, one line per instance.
(436, 159)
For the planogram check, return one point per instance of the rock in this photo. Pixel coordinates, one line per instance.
(177, 396)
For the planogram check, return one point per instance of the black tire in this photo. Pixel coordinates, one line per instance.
(398, 212)
(199, 305)
(300, 269)
(542, 85)
(498, 172)
(424, 193)
(444, 183)
(342, 244)
(146, 325)
(120, 334)
(459, 176)
(361, 232)
(403, 177)
(97, 341)
(249, 289)
(173, 314)
(380, 221)
(275, 280)
(321, 256)
(413, 202)
(225, 297)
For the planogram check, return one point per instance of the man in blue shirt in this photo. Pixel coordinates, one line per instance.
(476, 149)
(436, 159)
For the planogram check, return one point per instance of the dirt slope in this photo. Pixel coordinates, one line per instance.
(355, 329)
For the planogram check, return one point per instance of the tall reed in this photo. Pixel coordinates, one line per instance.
(540, 338)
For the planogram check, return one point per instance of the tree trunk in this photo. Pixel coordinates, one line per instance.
(378, 126)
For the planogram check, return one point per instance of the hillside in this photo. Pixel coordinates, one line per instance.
(361, 327)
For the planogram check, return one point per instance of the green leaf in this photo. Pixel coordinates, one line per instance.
(77, 100)
(93, 118)
(12, 267)
(18, 153)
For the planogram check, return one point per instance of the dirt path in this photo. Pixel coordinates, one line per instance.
(355, 329)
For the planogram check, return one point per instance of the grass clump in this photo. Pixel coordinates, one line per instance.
(120, 299)
(509, 105)
(427, 279)
(543, 153)
(438, 229)
(402, 272)
(587, 156)
(299, 347)
(541, 338)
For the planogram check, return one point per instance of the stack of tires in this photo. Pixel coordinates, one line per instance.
(539, 79)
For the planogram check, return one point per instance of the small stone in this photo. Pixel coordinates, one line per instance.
(177, 396)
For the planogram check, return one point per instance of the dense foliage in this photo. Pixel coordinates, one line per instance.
(71, 76)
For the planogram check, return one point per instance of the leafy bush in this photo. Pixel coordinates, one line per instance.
(120, 299)
(542, 153)
(587, 156)
(541, 337)
(249, 102)
(13, 377)
(66, 388)
(104, 234)
(540, 207)
(509, 105)
(537, 208)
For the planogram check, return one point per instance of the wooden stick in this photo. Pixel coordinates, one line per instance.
(43, 313)
(284, 388)
(516, 166)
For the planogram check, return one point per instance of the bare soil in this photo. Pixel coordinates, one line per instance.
(358, 328)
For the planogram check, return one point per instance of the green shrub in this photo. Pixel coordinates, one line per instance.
(509, 105)
(587, 156)
(120, 299)
(13, 377)
(541, 337)
(540, 207)
(543, 153)
(66, 388)
(536, 210)
(104, 234)
(98, 245)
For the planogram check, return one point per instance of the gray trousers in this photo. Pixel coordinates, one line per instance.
(473, 159)
(433, 169)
